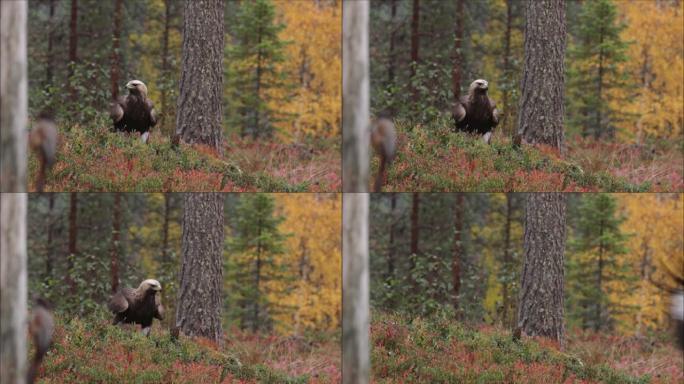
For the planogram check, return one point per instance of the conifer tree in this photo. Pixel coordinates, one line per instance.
(597, 268)
(254, 264)
(255, 68)
(593, 73)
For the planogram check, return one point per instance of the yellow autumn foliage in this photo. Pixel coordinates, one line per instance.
(314, 257)
(656, 30)
(314, 59)
(656, 223)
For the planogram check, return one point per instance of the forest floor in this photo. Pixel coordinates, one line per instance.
(93, 351)
(441, 350)
(95, 159)
(433, 158)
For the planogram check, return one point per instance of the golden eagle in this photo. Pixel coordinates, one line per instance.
(135, 112)
(476, 112)
(138, 306)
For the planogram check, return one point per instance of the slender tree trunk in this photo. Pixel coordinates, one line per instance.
(165, 64)
(355, 291)
(540, 118)
(391, 248)
(540, 311)
(13, 96)
(49, 66)
(114, 253)
(199, 116)
(415, 43)
(13, 206)
(415, 230)
(391, 59)
(116, 54)
(507, 68)
(198, 311)
(598, 321)
(459, 209)
(257, 282)
(458, 56)
(507, 263)
(73, 236)
(599, 113)
(73, 46)
(165, 230)
(355, 103)
(50, 248)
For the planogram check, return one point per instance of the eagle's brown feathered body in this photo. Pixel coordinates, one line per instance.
(134, 112)
(384, 142)
(476, 112)
(139, 306)
(43, 141)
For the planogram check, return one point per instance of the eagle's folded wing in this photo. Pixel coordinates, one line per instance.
(495, 112)
(119, 302)
(159, 310)
(153, 113)
(116, 112)
(458, 112)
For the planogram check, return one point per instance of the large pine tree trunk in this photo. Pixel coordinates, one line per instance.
(540, 311)
(116, 55)
(13, 275)
(13, 97)
(199, 116)
(459, 209)
(540, 118)
(198, 311)
(355, 291)
(116, 235)
(355, 103)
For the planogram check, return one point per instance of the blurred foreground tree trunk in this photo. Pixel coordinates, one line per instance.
(540, 119)
(198, 310)
(116, 234)
(356, 103)
(540, 311)
(355, 274)
(199, 117)
(13, 206)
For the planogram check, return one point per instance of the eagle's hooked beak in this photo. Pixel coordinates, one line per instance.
(156, 287)
(129, 85)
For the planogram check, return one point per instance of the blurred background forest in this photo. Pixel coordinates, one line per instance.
(624, 91)
(446, 256)
(281, 92)
(82, 247)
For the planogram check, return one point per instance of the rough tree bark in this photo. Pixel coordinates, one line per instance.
(199, 116)
(540, 311)
(540, 118)
(459, 208)
(198, 311)
(116, 55)
(458, 56)
(13, 97)
(116, 234)
(13, 116)
(355, 291)
(415, 43)
(355, 103)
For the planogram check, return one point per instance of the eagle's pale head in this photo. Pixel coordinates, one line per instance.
(150, 284)
(479, 85)
(136, 87)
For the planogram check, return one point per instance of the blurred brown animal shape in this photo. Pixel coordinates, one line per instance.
(384, 142)
(43, 141)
